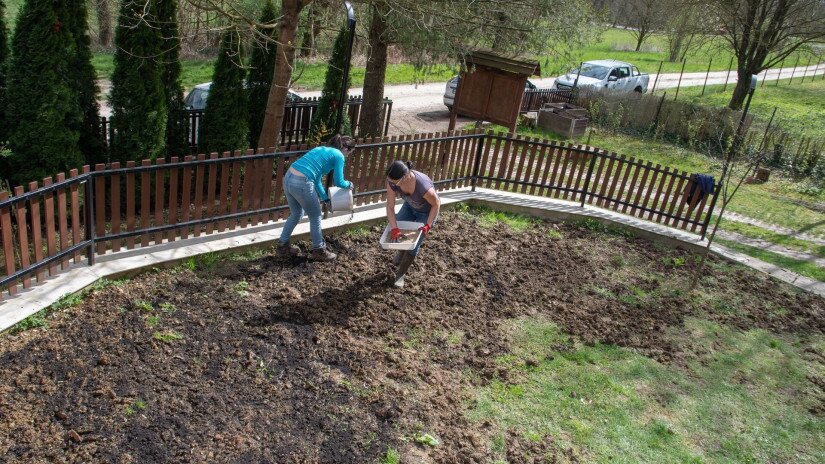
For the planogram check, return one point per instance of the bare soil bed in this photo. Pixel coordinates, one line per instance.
(259, 359)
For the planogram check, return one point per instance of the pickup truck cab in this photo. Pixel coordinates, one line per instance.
(610, 74)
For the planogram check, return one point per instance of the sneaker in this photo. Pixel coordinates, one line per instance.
(322, 254)
(285, 249)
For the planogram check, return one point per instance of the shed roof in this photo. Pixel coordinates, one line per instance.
(513, 64)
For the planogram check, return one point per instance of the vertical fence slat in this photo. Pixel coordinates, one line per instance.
(100, 208)
(676, 197)
(608, 177)
(581, 163)
(186, 197)
(37, 231)
(666, 199)
(656, 205)
(173, 199)
(130, 204)
(266, 177)
(641, 186)
(51, 243)
(22, 235)
(160, 190)
(280, 171)
(145, 198)
(529, 166)
(8, 245)
(622, 194)
(223, 197)
(210, 192)
(550, 156)
(62, 220)
(198, 213)
(565, 176)
(504, 160)
(597, 178)
(541, 166)
(74, 198)
(620, 164)
(116, 216)
(235, 191)
(387, 157)
(649, 189)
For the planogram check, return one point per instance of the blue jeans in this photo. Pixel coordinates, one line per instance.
(302, 197)
(408, 214)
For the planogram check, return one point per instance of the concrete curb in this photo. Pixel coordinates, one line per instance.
(132, 262)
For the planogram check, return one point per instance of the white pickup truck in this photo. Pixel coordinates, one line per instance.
(610, 74)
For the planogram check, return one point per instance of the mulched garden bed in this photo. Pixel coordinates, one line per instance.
(270, 360)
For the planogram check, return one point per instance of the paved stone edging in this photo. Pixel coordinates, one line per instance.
(130, 262)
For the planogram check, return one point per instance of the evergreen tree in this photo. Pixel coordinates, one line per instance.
(262, 65)
(226, 115)
(44, 136)
(137, 99)
(177, 123)
(323, 123)
(83, 77)
(4, 55)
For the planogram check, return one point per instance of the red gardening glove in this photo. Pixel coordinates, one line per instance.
(395, 234)
(425, 229)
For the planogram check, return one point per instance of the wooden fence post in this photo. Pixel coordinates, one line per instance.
(679, 84)
(706, 77)
(730, 66)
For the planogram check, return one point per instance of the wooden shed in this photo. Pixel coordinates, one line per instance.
(491, 88)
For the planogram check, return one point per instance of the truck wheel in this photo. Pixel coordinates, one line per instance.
(638, 89)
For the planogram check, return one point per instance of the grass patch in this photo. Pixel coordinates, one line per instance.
(800, 106)
(776, 238)
(392, 457)
(132, 408)
(168, 336)
(40, 319)
(597, 226)
(241, 288)
(152, 321)
(490, 218)
(742, 402)
(206, 262)
(358, 231)
(798, 266)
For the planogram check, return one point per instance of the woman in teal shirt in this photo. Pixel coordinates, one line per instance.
(304, 187)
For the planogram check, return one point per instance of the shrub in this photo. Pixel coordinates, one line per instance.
(225, 119)
(323, 123)
(177, 122)
(44, 131)
(138, 100)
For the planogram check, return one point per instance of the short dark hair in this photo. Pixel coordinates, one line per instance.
(398, 169)
(341, 142)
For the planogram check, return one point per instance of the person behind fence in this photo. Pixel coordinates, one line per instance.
(304, 190)
(421, 204)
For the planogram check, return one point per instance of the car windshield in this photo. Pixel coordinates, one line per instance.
(593, 70)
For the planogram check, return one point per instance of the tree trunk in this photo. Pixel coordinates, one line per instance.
(104, 23)
(284, 61)
(307, 44)
(740, 92)
(372, 108)
(675, 46)
(640, 38)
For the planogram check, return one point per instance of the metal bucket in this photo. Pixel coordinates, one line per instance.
(340, 199)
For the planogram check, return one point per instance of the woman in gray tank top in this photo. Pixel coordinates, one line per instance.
(421, 204)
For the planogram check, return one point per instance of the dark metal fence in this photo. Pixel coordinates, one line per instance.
(294, 128)
(111, 208)
(534, 99)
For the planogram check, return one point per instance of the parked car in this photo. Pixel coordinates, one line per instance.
(452, 85)
(611, 74)
(196, 98)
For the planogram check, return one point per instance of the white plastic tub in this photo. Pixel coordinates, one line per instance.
(403, 225)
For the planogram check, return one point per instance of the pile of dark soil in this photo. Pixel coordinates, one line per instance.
(266, 360)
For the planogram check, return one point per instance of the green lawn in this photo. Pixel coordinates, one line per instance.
(615, 43)
(785, 241)
(798, 266)
(737, 402)
(800, 106)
